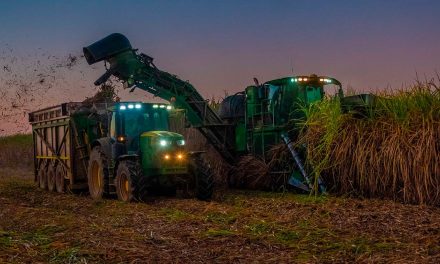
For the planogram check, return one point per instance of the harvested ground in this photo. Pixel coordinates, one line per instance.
(240, 227)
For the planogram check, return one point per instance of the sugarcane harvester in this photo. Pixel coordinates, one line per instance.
(249, 122)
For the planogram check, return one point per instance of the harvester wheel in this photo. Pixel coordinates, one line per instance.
(127, 181)
(97, 175)
(51, 177)
(60, 173)
(42, 176)
(204, 179)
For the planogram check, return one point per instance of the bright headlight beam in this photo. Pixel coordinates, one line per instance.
(163, 142)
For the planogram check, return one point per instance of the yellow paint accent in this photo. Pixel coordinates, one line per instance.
(53, 157)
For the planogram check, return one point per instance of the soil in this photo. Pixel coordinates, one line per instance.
(37, 226)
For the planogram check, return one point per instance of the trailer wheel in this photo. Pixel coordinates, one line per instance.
(127, 181)
(97, 175)
(42, 176)
(60, 173)
(203, 176)
(51, 177)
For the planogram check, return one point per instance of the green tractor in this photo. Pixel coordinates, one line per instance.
(145, 156)
(122, 148)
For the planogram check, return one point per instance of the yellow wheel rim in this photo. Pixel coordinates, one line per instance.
(96, 177)
(124, 186)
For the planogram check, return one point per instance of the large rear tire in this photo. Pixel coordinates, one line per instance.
(51, 176)
(97, 175)
(128, 182)
(203, 176)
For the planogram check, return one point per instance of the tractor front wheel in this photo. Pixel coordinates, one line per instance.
(203, 176)
(128, 181)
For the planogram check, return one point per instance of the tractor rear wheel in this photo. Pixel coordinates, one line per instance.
(60, 173)
(97, 175)
(203, 176)
(42, 176)
(127, 181)
(51, 177)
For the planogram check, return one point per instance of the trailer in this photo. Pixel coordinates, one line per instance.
(60, 149)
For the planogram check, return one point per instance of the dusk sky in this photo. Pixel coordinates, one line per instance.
(222, 45)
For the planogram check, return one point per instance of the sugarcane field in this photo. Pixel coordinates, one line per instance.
(220, 132)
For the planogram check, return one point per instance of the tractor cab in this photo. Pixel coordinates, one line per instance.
(131, 119)
(143, 129)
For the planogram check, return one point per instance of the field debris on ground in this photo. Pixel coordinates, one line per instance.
(237, 226)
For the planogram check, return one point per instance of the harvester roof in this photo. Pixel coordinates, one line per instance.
(128, 105)
(304, 79)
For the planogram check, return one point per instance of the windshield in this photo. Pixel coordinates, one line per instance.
(136, 123)
(132, 123)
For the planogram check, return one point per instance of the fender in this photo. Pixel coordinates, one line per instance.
(105, 144)
(128, 157)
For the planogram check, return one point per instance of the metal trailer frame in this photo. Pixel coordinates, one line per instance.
(53, 140)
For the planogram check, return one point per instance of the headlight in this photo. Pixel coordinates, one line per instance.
(181, 142)
(163, 142)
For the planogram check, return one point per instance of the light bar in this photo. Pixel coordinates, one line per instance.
(161, 106)
(122, 107)
(130, 106)
(138, 106)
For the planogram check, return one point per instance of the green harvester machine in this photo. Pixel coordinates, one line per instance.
(122, 148)
(249, 122)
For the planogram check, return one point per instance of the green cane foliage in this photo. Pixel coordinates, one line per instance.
(391, 152)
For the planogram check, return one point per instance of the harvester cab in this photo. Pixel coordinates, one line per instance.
(275, 108)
